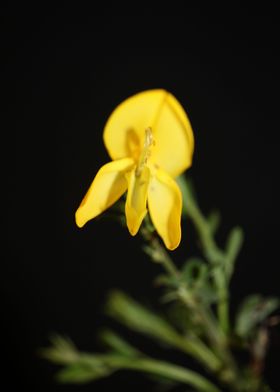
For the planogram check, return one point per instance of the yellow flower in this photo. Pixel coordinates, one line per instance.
(150, 141)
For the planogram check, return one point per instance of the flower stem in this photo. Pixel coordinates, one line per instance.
(212, 252)
(172, 372)
(199, 351)
(109, 363)
(165, 259)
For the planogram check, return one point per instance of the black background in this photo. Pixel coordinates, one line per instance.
(65, 70)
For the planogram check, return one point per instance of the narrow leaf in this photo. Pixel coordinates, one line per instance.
(83, 372)
(62, 350)
(138, 318)
(118, 344)
(233, 246)
(214, 220)
(253, 311)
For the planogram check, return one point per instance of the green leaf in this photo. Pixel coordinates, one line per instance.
(169, 296)
(154, 254)
(80, 367)
(173, 372)
(194, 271)
(62, 350)
(83, 371)
(253, 311)
(85, 367)
(167, 280)
(137, 317)
(118, 344)
(207, 294)
(214, 220)
(234, 243)
(92, 367)
(184, 319)
(140, 319)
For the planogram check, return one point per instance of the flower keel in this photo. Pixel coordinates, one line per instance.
(165, 207)
(136, 201)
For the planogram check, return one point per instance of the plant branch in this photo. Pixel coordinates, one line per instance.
(215, 256)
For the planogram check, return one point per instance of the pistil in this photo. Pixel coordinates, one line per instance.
(146, 151)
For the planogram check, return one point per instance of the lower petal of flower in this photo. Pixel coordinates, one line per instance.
(107, 187)
(136, 201)
(165, 208)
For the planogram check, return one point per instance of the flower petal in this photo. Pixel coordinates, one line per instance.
(136, 201)
(165, 208)
(125, 130)
(174, 141)
(107, 187)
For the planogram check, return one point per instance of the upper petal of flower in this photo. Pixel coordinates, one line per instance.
(107, 187)
(165, 208)
(136, 200)
(174, 141)
(125, 130)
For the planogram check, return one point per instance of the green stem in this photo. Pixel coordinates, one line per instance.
(217, 258)
(215, 335)
(223, 310)
(164, 369)
(193, 346)
(212, 252)
(140, 319)
(157, 252)
(160, 255)
(165, 259)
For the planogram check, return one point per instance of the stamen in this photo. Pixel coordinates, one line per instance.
(146, 152)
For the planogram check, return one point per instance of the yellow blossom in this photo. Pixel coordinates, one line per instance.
(150, 141)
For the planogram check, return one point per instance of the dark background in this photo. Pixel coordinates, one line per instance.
(65, 71)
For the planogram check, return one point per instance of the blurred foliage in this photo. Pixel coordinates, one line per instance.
(252, 312)
(194, 319)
